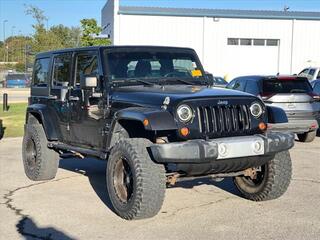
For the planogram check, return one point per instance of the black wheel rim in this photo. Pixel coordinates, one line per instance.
(123, 180)
(31, 154)
(259, 180)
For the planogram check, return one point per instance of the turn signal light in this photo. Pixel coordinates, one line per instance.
(184, 131)
(146, 122)
(262, 126)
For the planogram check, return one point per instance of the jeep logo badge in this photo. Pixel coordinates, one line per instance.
(223, 102)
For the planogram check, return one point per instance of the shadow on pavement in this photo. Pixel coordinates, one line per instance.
(95, 171)
(29, 230)
(2, 128)
(226, 184)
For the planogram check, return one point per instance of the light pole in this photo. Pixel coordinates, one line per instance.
(12, 30)
(4, 39)
(12, 49)
(20, 52)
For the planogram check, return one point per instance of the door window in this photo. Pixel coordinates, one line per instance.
(61, 69)
(40, 74)
(311, 73)
(252, 87)
(86, 65)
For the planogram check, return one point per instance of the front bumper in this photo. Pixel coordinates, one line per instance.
(201, 151)
(294, 126)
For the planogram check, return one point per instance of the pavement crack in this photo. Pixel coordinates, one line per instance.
(306, 180)
(8, 197)
(177, 211)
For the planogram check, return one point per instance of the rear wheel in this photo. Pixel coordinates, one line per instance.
(136, 185)
(271, 182)
(40, 162)
(307, 137)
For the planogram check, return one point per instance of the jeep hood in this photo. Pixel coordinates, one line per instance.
(155, 95)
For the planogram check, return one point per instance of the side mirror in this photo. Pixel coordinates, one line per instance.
(88, 82)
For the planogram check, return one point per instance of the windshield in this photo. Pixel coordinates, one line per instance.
(152, 65)
(219, 80)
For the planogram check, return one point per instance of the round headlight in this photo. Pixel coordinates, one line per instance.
(184, 113)
(256, 109)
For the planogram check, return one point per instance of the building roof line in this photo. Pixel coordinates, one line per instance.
(218, 13)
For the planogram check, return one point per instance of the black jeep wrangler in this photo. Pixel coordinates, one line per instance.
(153, 114)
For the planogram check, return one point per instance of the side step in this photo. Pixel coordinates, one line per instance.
(84, 151)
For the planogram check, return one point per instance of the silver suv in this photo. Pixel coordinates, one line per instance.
(311, 73)
(293, 94)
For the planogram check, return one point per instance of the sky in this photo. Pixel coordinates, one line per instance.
(70, 12)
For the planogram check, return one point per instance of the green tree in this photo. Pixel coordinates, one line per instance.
(90, 33)
(67, 37)
(42, 40)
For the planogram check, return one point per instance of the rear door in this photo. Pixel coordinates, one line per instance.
(294, 95)
(60, 86)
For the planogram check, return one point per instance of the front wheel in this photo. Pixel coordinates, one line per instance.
(136, 185)
(271, 182)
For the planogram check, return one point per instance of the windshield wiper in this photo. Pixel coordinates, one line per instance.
(164, 80)
(130, 81)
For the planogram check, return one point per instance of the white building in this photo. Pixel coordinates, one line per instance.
(229, 42)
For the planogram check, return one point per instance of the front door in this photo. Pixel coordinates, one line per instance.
(87, 118)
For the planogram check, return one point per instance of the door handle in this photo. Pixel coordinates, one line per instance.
(74, 98)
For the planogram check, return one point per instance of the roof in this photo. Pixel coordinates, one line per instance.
(223, 13)
(270, 77)
(92, 48)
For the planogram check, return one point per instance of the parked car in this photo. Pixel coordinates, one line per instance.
(291, 93)
(17, 80)
(152, 127)
(311, 73)
(217, 81)
(316, 86)
(316, 89)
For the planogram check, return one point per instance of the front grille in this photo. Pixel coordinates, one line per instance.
(223, 120)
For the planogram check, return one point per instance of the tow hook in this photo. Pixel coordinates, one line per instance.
(172, 179)
(252, 172)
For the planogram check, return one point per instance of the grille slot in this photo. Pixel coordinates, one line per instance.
(223, 119)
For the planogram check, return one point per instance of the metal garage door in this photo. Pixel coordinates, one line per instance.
(253, 56)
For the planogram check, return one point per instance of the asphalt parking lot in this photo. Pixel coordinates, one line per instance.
(75, 205)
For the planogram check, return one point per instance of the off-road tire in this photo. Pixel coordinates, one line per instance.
(276, 179)
(46, 161)
(307, 137)
(148, 180)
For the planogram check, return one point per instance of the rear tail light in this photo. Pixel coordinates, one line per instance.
(313, 126)
(314, 96)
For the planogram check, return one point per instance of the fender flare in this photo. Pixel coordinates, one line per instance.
(276, 115)
(47, 118)
(158, 119)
